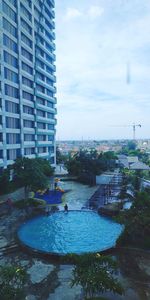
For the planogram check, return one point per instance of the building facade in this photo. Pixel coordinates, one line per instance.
(27, 80)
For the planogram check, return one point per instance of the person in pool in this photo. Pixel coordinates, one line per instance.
(66, 207)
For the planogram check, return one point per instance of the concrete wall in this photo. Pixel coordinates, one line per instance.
(15, 196)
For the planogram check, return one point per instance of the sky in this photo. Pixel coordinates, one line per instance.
(103, 69)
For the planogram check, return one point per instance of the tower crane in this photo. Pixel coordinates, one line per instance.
(133, 128)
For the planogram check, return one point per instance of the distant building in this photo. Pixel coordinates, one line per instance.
(27, 80)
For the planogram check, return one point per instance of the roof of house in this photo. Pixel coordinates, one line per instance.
(139, 166)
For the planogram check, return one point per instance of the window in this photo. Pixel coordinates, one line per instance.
(9, 27)
(27, 68)
(40, 64)
(49, 59)
(52, 160)
(1, 137)
(27, 54)
(49, 93)
(28, 124)
(48, 47)
(37, 14)
(27, 96)
(41, 137)
(49, 70)
(9, 12)
(11, 91)
(50, 127)
(13, 154)
(51, 138)
(41, 125)
(10, 59)
(50, 116)
(48, 35)
(26, 40)
(25, 26)
(40, 101)
(42, 150)
(13, 2)
(40, 113)
(13, 138)
(48, 23)
(49, 81)
(29, 137)
(1, 155)
(50, 104)
(27, 2)
(51, 149)
(27, 82)
(28, 110)
(25, 12)
(29, 151)
(40, 76)
(10, 75)
(12, 107)
(9, 43)
(49, 3)
(40, 88)
(12, 123)
(48, 12)
(40, 52)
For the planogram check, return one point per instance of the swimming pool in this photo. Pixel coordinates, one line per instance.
(70, 232)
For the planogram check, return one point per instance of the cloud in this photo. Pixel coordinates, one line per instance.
(95, 11)
(72, 13)
(92, 55)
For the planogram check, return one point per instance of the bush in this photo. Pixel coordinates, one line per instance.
(95, 273)
(12, 280)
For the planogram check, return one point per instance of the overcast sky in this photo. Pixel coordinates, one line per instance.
(97, 41)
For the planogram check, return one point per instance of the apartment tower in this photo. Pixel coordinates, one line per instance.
(27, 80)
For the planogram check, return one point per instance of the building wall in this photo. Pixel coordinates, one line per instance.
(27, 80)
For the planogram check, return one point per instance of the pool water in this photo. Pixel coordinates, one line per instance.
(70, 232)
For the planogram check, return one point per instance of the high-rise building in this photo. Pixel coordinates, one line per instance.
(27, 80)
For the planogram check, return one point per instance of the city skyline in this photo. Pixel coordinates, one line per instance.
(103, 62)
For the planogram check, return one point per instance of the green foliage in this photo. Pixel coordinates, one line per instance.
(32, 173)
(60, 158)
(95, 273)
(137, 222)
(4, 182)
(45, 166)
(12, 280)
(86, 164)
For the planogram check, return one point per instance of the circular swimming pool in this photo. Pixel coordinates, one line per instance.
(70, 232)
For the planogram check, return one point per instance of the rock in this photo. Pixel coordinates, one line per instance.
(3, 262)
(3, 242)
(2, 228)
(64, 290)
(39, 271)
(24, 263)
(30, 297)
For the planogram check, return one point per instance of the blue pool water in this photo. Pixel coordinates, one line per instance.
(73, 232)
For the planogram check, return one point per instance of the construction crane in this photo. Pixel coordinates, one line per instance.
(133, 127)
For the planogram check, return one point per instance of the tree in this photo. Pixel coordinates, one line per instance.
(31, 173)
(137, 222)
(60, 158)
(12, 280)
(4, 181)
(45, 166)
(95, 273)
(86, 164)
